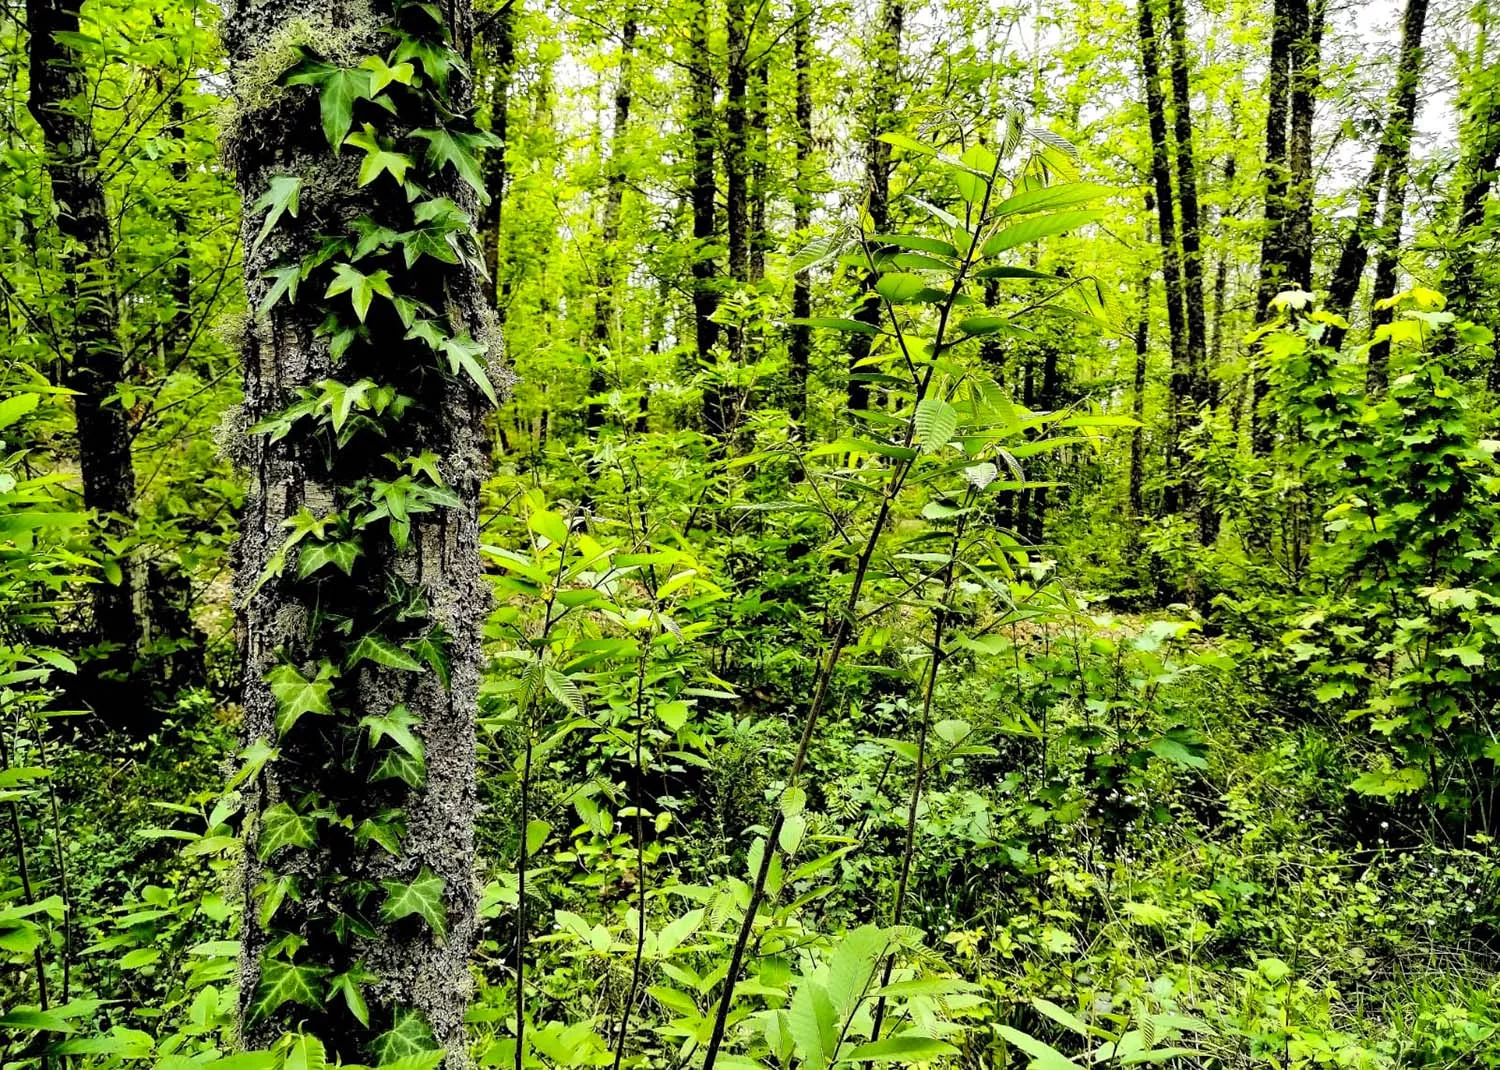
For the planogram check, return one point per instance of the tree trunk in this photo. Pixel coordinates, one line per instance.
(1275, 175)
(609, 231)
(1305, 77)
(1187, 198)
(704, 192)
(759, 149)
(1390, 155)
(799, 344)
(500, 44)
(1138, 386)
(1481, 138)
(885, 71)
(1171, 256)
(361, 642)
(96, 366)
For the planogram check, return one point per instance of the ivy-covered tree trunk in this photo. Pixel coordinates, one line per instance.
(360, 594)
(95, 367)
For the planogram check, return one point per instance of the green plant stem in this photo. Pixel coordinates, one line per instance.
(841, 633)
(24, 872)
(940, 620)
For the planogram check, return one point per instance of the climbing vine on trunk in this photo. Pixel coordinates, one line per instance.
(367, 368)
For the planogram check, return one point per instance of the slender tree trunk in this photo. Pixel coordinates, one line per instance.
(1275, 174)
(799, 344)
(1171, 256)
(759, 149)
(885, 71)
(609, 231)
(1187, 198)
(1390, 156)
(1135, 500)
(704, 193)
(1305, 77)
(362, 670)
(1221, 293)
(1393, 210)
(500, 43)
(96, 366)
(1481, 139)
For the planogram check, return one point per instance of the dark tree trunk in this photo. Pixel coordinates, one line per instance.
(1481, 157)
(1171, 256)
(759, 149)
(1187, 198)
(1275, 173)
(1138, 385)
(1390, 156)
(500, 44)
(704, 193)
(423, 595)
(609, 232)
(799, 344)
(885, 71)
(96, 365)
(1306, 59)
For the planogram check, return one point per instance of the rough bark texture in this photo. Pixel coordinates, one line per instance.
(1306, 58)
(1138, 385)
(736, 162)
(1274, 174)
(1187, 199)
(278, 132)
(885, 71)
(799, 344)
(96, 366)
(609, 229)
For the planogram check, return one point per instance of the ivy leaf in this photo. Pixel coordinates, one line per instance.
(382, 651)
(255, 758)
(397, 727)
(448, 147)
(432, 648)
(284, 282)
(360, 287)
(463, 352)
(409, 1036)
(387, 834)
(336, 102)
(378, 157)
(295, 694)
(286, 982)
(437, 60)
(422, 897)
(398, 765)
(281, 826)
(281, 196)
(340, 553)
(347, 984)
(382, 75)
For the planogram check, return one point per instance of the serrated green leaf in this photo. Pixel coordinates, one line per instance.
(281, 196)
(1037, 228)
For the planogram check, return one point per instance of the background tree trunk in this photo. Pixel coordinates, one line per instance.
(499, 42)
(704, 193)
(799, 343)
(609, 230)
(885, 71)
(96, 365)
(426, 590)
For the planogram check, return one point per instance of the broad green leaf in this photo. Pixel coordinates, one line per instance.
(1049, 198)
(904, 1048)
(1043, 1056)
(306, 1053)
(936, 421)
(360, 287)
(813, 1023)
(339, 553)
(460, 151)
(1036, 228)
(380, 158)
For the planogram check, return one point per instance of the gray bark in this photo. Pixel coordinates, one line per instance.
(278, 132)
